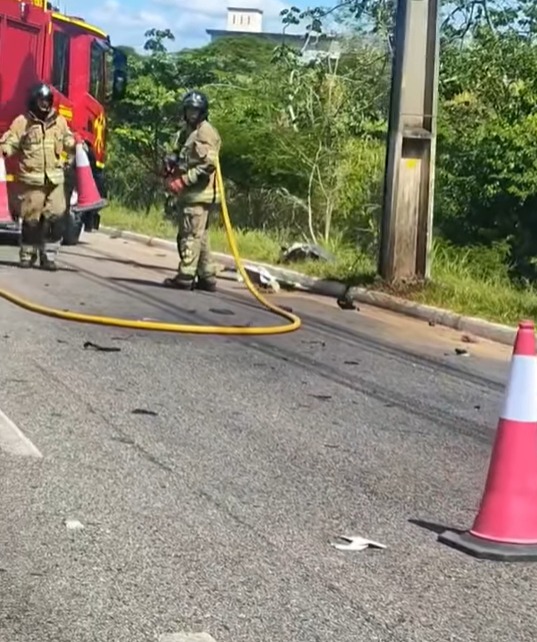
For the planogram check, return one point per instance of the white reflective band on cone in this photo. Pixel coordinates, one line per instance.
(81, 158)
(3, 174)
(74, 197)
(521, 396)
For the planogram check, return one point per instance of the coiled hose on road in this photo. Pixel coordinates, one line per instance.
(159, 326)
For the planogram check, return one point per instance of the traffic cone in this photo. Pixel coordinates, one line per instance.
(506, 524)
(88, 194)
(5, 215)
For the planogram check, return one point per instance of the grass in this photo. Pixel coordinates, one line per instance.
(472, 281)
(253, 245)
(461, 284)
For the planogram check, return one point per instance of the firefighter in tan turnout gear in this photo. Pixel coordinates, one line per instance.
(191, 183)
(40, 136)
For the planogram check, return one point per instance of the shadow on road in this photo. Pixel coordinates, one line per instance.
(128, 262)
(433, 527)
(142, 282)
(9, 263)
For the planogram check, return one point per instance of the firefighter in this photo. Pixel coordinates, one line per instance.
(40, 136)
(191, 183)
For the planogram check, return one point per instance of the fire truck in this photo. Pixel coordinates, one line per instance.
(38, 43)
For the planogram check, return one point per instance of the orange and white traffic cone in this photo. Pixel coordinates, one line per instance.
(506, 525)
(5, 214)
(88, 194)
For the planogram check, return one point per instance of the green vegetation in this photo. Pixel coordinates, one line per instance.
(304, 148)
(257, 245)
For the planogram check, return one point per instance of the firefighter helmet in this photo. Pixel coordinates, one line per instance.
(196, 100)
(40, 99)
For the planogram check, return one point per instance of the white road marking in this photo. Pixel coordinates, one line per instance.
(186, 637)
(14, 441)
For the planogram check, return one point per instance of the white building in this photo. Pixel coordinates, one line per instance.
(249, 22)
(245, 20)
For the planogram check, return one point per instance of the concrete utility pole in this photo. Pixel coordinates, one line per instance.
(407, 214)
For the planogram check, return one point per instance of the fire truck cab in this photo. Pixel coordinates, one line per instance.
(38, 43)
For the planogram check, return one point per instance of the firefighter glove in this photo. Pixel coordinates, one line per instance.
(170, 164)
(175, 185)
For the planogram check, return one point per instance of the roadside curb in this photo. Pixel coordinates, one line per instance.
(479, 327)
(472, 325)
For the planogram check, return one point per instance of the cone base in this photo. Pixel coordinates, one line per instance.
(488, 550)
(9, 226)
(78, 209)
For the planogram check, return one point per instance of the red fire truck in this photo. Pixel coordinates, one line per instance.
(38, 43)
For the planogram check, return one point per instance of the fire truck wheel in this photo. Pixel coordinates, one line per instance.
(73, 229)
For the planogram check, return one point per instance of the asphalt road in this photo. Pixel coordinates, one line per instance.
(192, 483)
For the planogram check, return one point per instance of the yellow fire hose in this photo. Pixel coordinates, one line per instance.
(158, 326)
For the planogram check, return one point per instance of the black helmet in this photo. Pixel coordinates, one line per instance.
(196, 100)
(38, 92)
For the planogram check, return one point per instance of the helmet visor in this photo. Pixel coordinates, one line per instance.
(43, 103)
(192, 114)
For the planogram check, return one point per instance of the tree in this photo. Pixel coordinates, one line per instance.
(304, 141)
(144, 122)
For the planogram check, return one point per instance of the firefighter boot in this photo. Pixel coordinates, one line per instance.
(52, 229)
(180, 282)
(47, 264)
(29, 243)
(28, 259)
(206, 283)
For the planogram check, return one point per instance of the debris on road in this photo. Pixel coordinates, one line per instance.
(267, 281)
(346, 303)
(468, 338)
(261, 277)
(462, 352)
(74, 525)
(355, 543)
(98, 348)
(222, 311)
(143, 411)
(304, 252)
(321, 397)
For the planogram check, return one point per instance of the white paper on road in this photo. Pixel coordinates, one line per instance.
(356, 543)
(74, 524)
(264, 276)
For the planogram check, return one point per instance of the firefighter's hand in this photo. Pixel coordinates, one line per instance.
(169, 165)
(79, 140)
(175, 185)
